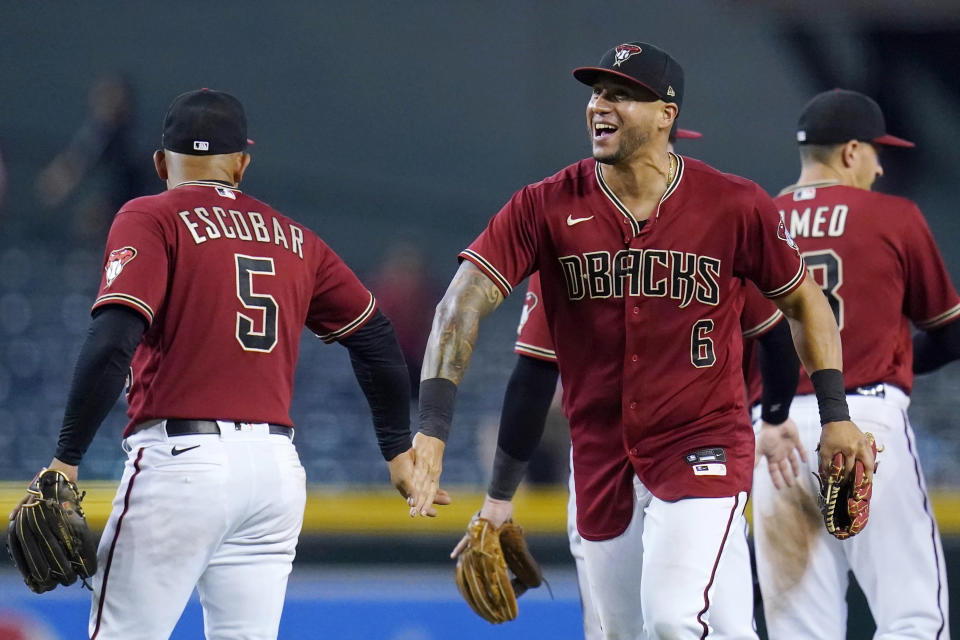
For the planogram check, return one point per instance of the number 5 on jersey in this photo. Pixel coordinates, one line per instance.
(251, 340)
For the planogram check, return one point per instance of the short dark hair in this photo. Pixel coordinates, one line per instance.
(821, 153)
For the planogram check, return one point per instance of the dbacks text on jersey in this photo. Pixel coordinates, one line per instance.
(652, 273)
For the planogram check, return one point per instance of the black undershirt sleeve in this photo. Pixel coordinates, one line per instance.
(780, 371)
(935, 348)
(525, 405)
(382, 373)
(98, 378)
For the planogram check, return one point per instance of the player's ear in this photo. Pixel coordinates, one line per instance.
(241, 167)
(669, 113)
(160, 163)
(849, 153)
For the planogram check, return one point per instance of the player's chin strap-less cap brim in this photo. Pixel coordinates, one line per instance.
(688, 134)
(205, 123)
(641, 63)
(838, 116)
(893, 141)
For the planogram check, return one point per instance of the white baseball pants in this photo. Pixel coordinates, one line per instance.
(897, 558)
(680, 570)
(221, 513)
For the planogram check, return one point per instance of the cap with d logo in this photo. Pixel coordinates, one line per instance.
(642, 63)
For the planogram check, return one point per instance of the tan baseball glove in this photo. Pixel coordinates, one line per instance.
(845, 502)
(482, 569)
(48, 539)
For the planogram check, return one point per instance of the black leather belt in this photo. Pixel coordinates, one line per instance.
(181, 427)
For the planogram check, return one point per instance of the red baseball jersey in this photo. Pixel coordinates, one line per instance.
(758, 316)
(879, 267)
(533, 333)
(645, 319)
(226, 284)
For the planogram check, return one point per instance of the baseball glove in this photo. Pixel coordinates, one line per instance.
(48, 540)
(845, 503)
(482, 569)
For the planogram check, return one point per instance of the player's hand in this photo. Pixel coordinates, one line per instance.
(780, 445)
(68, 470)
(427, 465)
(401, 476)
(844, 437)
(496, 511)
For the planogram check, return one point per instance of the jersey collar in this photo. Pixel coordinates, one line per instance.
(208, 183)
(634, 223)
(809, 185)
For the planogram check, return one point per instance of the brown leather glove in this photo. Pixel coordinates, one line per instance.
(482, 569)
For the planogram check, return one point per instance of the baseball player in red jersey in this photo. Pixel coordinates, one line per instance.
(203, 297)
(878, 265)
(530, 390)
(639, 252)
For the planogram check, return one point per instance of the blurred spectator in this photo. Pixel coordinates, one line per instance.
(408, 295)
(100, 158)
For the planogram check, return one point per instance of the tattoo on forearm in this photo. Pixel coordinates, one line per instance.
(470, 296)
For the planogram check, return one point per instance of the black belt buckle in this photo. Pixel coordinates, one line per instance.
(878, 390)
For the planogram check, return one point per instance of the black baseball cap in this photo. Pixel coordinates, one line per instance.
(840, 115)
(642, 63)
(205, 123)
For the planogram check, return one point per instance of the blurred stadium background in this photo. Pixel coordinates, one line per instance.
(395, 130)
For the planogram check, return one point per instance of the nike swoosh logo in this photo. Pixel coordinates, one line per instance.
(572, 221)
(177, 450)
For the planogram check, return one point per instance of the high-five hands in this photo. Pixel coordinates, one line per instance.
(403, 474)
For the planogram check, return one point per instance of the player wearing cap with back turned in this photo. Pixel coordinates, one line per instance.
(202, 301)
(641, 254)
(879, 267)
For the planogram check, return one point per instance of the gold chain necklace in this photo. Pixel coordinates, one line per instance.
(671, 172)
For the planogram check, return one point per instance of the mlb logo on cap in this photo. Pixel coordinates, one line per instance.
(840, 115)
(205, 122)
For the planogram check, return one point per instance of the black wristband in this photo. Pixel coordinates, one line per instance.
(508, 472)
(831, 395)
(437, 397)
